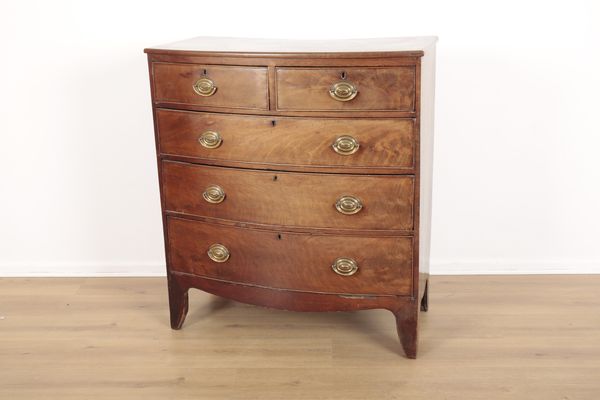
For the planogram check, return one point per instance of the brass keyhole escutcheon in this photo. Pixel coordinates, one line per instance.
(344, 266)
(218, 253)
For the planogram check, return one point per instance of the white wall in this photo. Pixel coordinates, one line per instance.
(517, 173)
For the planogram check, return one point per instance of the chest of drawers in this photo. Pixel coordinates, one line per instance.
(297, 174)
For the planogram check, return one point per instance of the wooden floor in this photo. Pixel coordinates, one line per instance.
(485, 337)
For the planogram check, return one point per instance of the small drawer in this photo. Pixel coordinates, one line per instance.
(312, 200)
(279, 141)
(211, 85)
(346, 89)
(294, 261)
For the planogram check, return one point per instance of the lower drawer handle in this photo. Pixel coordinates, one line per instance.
(345, 145)
(218, 253)
(344, 266)
(348, 205)
(210, 139)
(214, 194)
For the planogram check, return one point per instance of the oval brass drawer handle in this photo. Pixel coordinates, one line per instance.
(218, 253)
(344, 266)
(348, 205)
(204, 87)
(345, 145)
(214, 194)
(210, 139)
(343, 91)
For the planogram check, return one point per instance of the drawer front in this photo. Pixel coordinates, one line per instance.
(376, 89)
(211, 85)
(295, 261)
(290, 199)
(351, 143)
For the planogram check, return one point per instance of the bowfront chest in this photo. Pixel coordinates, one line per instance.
(297, 174)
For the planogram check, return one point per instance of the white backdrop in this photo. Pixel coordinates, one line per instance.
(517, 171)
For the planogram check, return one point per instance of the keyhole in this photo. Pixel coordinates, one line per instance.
(343, 75)
(204, 72)
(273, 122)
(274, 177)
(279, 236)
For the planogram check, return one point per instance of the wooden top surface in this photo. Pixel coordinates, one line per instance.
(413, 46)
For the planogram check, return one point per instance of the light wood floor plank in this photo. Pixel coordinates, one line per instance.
(485, 337)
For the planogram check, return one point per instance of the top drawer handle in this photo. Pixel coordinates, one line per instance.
(343, 91)
(204, 87)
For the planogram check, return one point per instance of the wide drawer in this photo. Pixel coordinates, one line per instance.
(295, 261)
(382, 202)
(280, 141)
(346, 89)
(211, 85)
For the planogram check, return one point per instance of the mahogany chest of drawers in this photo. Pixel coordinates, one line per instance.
(297, 174)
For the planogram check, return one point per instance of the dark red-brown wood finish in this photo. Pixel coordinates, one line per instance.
(278, 193)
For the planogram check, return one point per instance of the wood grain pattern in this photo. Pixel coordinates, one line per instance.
(293, 261)
(485, 337)
(280, 142)
(379, 89)
(287, 198)
(237, 87)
